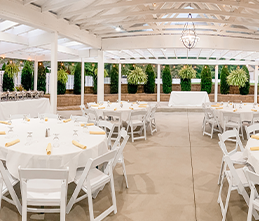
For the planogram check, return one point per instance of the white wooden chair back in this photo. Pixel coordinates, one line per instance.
(83, 119)
(231, 117)
(113, 114)
(255, 117)
(93, 116)
(48, 115)
(19, 116)
(138, 114)
(251, 129)
(109, 128)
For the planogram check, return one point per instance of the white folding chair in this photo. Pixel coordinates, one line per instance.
(83, 108)
(251, 129)
(109, 128)
(19, 116)
(151, 120)
(255, 117)
(233, 120)
(253, 180)
(137, 119)
(119, 158)
(115, 118)
(235, 155)
(48, 115)
(236, 180)
(93, 116)
(83, 119)
(90, 179)
(212, 120)
(43, 187)
(7, 182)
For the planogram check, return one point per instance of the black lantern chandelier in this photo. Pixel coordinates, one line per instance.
(189, 36)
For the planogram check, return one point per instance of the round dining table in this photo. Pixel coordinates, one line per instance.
(252, 156)
(124, 107)
(31, 152)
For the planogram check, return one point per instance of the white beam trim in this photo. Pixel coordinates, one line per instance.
(7, 37)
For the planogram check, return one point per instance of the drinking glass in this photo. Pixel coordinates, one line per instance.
(42, 118)
(254, 105)
(75, 135)
(56, 140)
(121, 105)
(76, 123)
(10, 132)
(228, 104)
(24, 118)
(85, 129)
(29, 138)
(59, 119)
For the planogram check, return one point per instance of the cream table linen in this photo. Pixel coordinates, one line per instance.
(35, 156)
(252, 156)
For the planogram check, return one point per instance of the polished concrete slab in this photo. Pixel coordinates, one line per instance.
(172, 176)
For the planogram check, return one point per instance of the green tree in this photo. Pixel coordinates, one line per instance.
(206, 79)
(3, 67)
(26, 78)
(114, 74)
(224, 86)
(41, 83)
(62, 80)
(245, 90)
(7, 83)
(77, 79)
(167, 80)
(149, 87)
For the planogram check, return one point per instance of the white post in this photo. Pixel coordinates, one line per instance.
(82, 82)
(256, 83)
(53, 75)
(35, 74)
(216, 83)
(158, 82)
(119, 91)
(100, 82)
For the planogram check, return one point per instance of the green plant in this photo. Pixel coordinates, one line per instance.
(187, 72)
(77, 79)
(237, 77)
(206, 79)
(136, 77)
(245, 90)
(62, 80)
(167, 80)
(12, 69)
(114, 74)
(149, 87)
(19, 88)
(3, 67)
(41, 83)
(8, 83)
(186, 84)
(26, 78)
(224, 86)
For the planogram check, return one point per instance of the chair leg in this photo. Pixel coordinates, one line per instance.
(132, 134)
(221, 171)
(90, 202)
(145, 133)
(1, 189)
(212, 128)
(24, 210)
(227, 201)
(113, 195)
(124, 173)
(63, 210)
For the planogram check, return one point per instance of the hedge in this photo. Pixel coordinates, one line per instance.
(206, 79)
(167, 80)
(149, 87)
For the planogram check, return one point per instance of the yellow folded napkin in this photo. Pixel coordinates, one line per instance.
(4, 122)
(46, 119)
(94, 105)
(134, 102)
(2, 133)
(131, 108)
(230, 104)
(142, 106)
(115, 109)
(246, 104)
(235, 110)
(48, 149)
(89, 124)
(12, 143)
(101, 107)
(255, 137)
(219, 108)
(27, 119)
(97, 132)
(67, 120)
(254, 110)
(78, 144)
(254, 148)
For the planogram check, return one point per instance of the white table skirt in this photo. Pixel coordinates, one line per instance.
(188, 98)
(34, 155)
(29, 106)
(252, 156)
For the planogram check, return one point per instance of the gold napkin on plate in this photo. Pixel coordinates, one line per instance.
(245, 104)
(255, 137)
(230, 104)
(46, 119)
(219, 108)
(254, 148)
(48, 149)
(254, 110)
(215, 105)
(89, 124)
(78, 144)
(142, 106)
(67, 120)
(131, 108)
(27, 119)
(4, 122)
(2, 133)
(95, 105)
(115, 109)
(12, 143)
(235, 110)
(101, 107)
(97, 132)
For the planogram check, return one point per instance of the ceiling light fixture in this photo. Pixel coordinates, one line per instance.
(189, 36)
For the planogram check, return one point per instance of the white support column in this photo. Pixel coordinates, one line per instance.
(158, 82)
(256, 84)
(100, 82)
(53, 75)
(119, 90)
(82, 82)
(216, 83)
(35, 74)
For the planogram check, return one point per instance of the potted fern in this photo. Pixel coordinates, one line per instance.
(136, 77)
(186, 74)
(11, 71)
(237, 78)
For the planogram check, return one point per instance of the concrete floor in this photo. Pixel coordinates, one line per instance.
(172, 176)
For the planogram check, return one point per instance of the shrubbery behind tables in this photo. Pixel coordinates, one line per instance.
(224, 86)
(149, 87)
(206, 79)
(167, 80)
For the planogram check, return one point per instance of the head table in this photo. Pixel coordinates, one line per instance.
(32, 153)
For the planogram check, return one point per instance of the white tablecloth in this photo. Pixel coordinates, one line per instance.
(188, 98)
(34, 155)
(252, 156)
(124, 110)
(30, 106)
